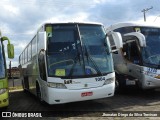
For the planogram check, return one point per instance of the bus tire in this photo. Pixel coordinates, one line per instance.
(23, 87)
(119, 84)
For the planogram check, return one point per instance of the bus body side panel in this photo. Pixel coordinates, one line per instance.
(33, 75)
(24, 77)
(29, 76)
(4, 97)
(29, 70)
(33, 69)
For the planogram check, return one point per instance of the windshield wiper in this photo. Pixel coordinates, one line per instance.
(75, 62)
(94, 63)
(79, 35)
(78, 56)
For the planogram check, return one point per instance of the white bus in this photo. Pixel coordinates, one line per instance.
(138, 63)
(67, 62)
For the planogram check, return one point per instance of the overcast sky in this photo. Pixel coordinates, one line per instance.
(19, 19)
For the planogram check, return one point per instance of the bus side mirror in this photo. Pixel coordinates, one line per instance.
(140, 36)
(115, 39)
(42, 41)
(4, 38)
(10, 48)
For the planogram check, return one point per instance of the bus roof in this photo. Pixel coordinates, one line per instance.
(73, 23)
(125, 24)
(92, 23)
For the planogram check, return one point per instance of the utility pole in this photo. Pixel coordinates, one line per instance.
(9, 70)
(146, 10)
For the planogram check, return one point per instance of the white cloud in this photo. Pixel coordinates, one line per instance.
(79, 17)
(99, 1)
(150, 19)
(11, 10)
(20, 19)
(5, 29)
(20, 45)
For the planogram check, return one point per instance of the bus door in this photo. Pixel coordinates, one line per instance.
(131, 53)
(42, 74)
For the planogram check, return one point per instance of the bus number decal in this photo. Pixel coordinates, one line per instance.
(151, 70)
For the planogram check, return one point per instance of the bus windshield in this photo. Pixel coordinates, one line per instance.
(2, 68)
(151, 53)
(77, 50)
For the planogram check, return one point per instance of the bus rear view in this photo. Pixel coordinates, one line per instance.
(70, 64)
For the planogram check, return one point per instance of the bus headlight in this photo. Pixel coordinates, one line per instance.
(157, 76)
(3, 90)
(109, 81)
(56, 85)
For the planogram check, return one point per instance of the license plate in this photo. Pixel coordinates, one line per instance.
(130, 82)
(86, 94)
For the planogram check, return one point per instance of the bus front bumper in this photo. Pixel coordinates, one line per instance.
(4, 99)
(59, 96)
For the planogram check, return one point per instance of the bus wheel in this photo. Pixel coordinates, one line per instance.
(23, 87)
(38, 92)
